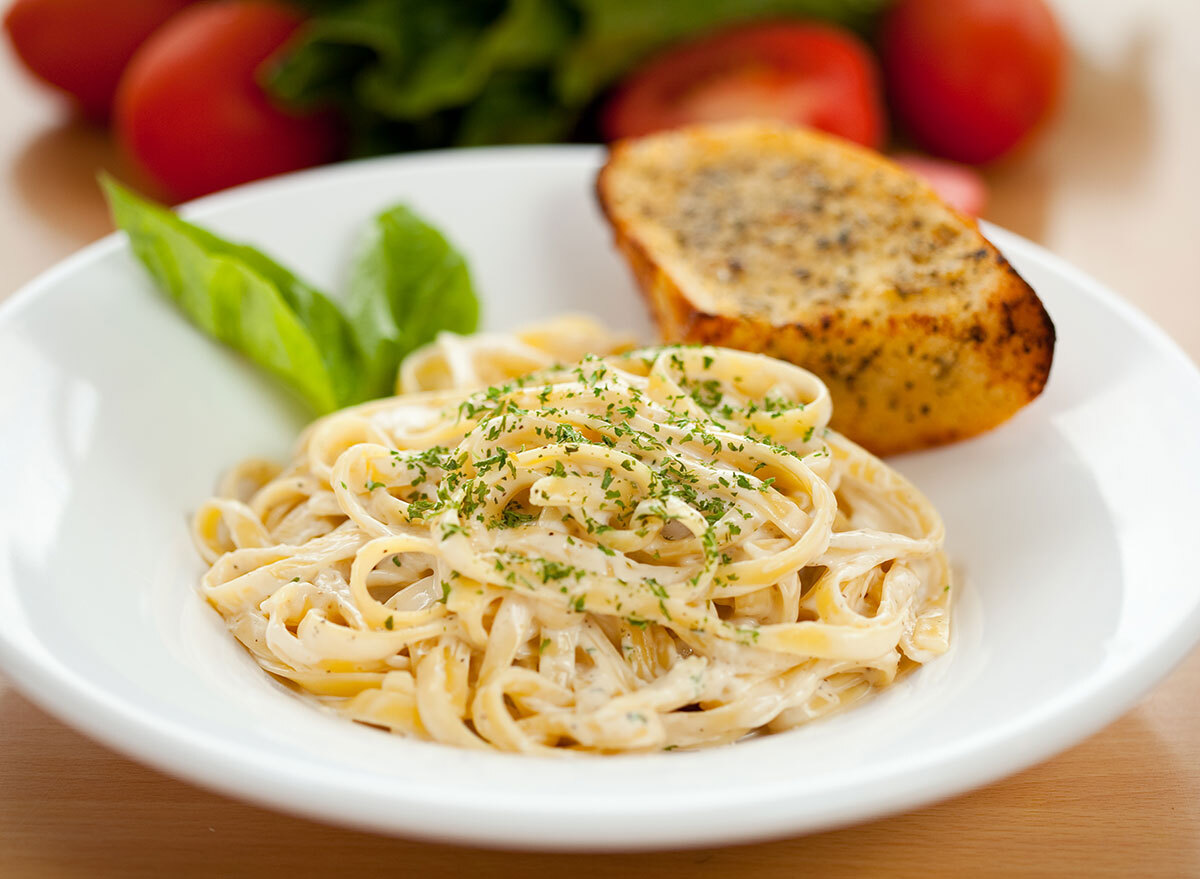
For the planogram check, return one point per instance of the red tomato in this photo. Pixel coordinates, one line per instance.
(970, 79)
(190, 109)
(81, 46)
(959, 186)
(809, 74)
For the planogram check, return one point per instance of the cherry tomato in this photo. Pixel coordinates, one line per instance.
(190, 109)
(970, 79)
(82, 46)
(809, 74)
(959, 186)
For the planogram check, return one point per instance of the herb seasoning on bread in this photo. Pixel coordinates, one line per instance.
(809, 248)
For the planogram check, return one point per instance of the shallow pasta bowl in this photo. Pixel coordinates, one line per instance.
(1064, 527)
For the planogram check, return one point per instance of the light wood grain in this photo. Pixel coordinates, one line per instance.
(1113, 187)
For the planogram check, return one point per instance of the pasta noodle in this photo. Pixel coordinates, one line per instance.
(653, 548)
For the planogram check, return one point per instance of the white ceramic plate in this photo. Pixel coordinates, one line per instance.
(1068, 527)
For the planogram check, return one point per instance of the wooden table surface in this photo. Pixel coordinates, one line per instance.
(1113, 187)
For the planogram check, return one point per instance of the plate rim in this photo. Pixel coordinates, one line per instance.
(200, 759)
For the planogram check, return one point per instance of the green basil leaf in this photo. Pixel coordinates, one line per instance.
(241, 297)
(407, 284)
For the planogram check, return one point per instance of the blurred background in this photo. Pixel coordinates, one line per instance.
(1031, 113)
(1073, 122)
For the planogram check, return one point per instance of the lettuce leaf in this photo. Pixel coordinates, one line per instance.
(455, 71)
(409, 74)
(408, 284)
(515, 108)
(401, 71)
(617, 34)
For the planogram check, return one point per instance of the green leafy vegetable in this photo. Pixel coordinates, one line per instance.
(402, 71)
(410, 74)
(617, 34)
(408, 284)
(452, 70)
(515, 108)
(242, 298)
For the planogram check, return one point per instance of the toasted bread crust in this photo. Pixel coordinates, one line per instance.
(904, 373)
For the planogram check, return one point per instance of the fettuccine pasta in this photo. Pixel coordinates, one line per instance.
(649, 549)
